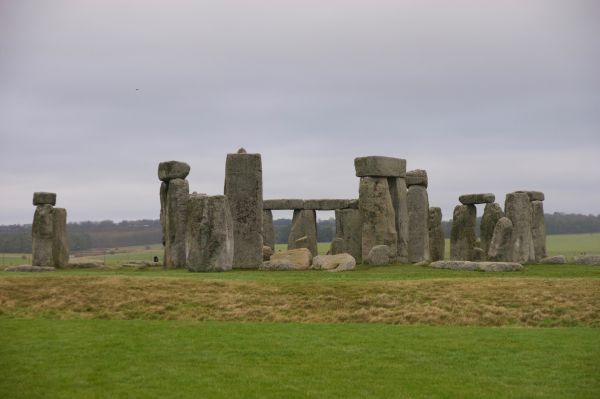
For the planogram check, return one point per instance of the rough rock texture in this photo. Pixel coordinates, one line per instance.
(209, 238)
(348, 226)
(60, 242)
(338, 246)
(175, 217)
(379, 255)
(163, 211)
(554, 260)
(28, 268)
(283, 204)
(377, 166)
(173, 170)
(293, 259)
(538, 229)
(42, 198)
(243, 188)
(42, 232)
(491, 214)
(534, 195)
(462, 236)
(417, 177)
(472, 199)
(86, 265)
(267, 252)
(377, 214)
(302, 242)
(418, 230)
(399, 196)
(437, 242)
(593, 260)
(304, 224)
(334, 263)
(478, 254)
(517, 208)
(501, 245)
(268, 231)
(327, 204)
(477, 266)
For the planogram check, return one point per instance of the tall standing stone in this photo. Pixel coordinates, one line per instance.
(268, 229)
(60, 243)
(538, 230)
(304, 224)
(243, 188)
(491, 214)
(348, 227)
(517, 208)
(42, 231)
(418, 230)
(437, 242)
(462, 237)
(175, 223)
(163, 210)
(501, 245)
(399, 196)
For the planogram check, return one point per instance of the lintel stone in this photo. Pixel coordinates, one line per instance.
(283, 204)
(42, 198)
(480, 198)
(378, 166)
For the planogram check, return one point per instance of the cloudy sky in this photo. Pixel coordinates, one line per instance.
(486, 96)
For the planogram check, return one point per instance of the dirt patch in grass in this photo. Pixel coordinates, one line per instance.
(483, 302)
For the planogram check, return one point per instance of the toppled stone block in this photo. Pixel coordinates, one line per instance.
(334, 263)
(378, 166)
(477, 266)
(379, 255)
(283, 204)
(42, 198)
(472, 199)
(417, 177)
(29, 268)
(293, 259)
(86, 265)
(554, 260)
(172, 170)
(591, 260)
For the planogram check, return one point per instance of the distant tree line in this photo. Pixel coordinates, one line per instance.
(108, 234)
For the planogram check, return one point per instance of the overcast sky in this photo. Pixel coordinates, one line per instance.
(486, 96)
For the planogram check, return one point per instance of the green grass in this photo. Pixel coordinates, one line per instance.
(573, 244)
(113, 359)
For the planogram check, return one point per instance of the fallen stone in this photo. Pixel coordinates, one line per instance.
(268, 230)
(462, 237)
(136, 264)
(293, 259)
(86, 265)
(348, 227)
(176, 223)
(399, 195)
(267, 252)
(534, 195)
(379, 255)
(538, 229)
(491, 214)
(60, 242)
(378, 166)
(29, 268)
(591, 260)
(417, 177)
(472, 199)
(554, 260)
(283, 204)
(303, 232)
(43, 198)
(377, 214)
(437, 242)
(501, 245)
(172, 170)
(477, 266)
(518, 209)
(327, 204)
(338, 246)
(423, 263)
(337, 263)
(418, 230)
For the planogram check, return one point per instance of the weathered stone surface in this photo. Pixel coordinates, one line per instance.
(592, 260)
(42, 232)
(538, 229)
(43, 198)
(268, 230)
(267, 253)
(377, 214)
(478, 254)
(472, 199)
(462, 236)
(243, 188)
(173, 170)
(304, 224)
(29, 268)
(534, 195)
(477, 266)
(501, 245)
(163, 211)
(338, 246)
(399, 197)
(554, 260)
(417, 177)
(283, 204)
(60, 242)
(242, 150)
(378, 166)
(334, 263)
(302, 242)
(491, 214)
(353, 204)
(86, 265)
(327, 204)
(437, 242)
(418, 230)
(379, 255)
(175, 217)
(209, 238)
(293, 259)
(348, 225)
(518, 209)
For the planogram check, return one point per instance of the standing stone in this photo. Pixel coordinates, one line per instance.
(338, 246)
(243, 188)
(462, 237)
(437, 242)
(538, 229)
(42, 236)
(304, 224)
(348, 227)
(399, 196)
(500, 248)
(377, 214)
(418, 230)
(209, 238)
(491, 214)
(60, 243)
(268, 229)
(175, 217)
(518, 209)
(163, 210)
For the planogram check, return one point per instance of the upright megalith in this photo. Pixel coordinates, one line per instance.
(399, 194)
(538, 230)
(50, 246)
(209, 238)
(348, 228)
(303, 232)
(437, 242)
(243, 188)
(268, 231)
(501, 246)
(491, 214)
(462, 236)
(517, 208)
(418, 216)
